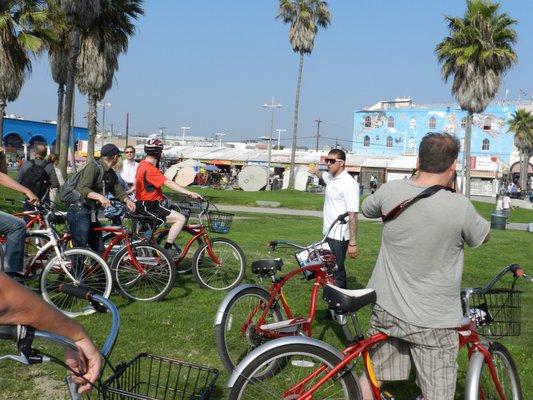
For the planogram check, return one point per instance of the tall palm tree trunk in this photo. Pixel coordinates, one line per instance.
(295, 126)
(466, 153)
(2, 110)
(91, 126)
(60, 99)
(524, 164)
(67, 110)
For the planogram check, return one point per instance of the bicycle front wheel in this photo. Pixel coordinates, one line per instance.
(298, 373)
(77, 267)
(235, 335)
(219, 266)
(506, 373)
(144, 272)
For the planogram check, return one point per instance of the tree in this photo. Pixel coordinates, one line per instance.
(304, 17)
(101, 45)
(521, 125)
(22, 32)
(79, 14)
(477, 52)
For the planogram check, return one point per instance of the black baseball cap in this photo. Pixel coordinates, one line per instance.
(109, 150)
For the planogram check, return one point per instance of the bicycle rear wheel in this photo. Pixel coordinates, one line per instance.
(484, 388)
(89, 271)
(155, 279)
(219, 266)
(235, 335)
(298, 362)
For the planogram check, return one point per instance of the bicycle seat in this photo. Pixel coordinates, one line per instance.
(346, 301)
(267, 267)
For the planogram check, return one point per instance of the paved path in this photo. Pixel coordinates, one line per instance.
(310, 213)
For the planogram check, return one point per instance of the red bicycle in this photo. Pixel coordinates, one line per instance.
(251, 315)
(304, 368)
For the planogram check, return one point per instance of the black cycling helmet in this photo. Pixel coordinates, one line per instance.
(154, 148)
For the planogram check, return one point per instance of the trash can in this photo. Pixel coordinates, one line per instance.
(498, 220)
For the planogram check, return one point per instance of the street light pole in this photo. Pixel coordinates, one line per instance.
(219, 135)
(279, 134)
(104, 106)
(183, 129)
(272, 107)
(162, 133)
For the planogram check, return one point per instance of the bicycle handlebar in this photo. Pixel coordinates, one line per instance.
(517, 271)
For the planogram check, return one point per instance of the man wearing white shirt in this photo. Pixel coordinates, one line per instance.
(129, 167)
(342, 195)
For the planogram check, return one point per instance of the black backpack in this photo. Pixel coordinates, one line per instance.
(68, 193)
(37, 179)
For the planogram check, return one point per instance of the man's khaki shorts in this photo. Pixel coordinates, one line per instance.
(433, 352)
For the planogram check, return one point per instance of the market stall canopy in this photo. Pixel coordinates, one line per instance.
(185, 176)
(211, 168)
(190, 163)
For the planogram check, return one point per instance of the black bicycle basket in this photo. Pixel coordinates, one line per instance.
(150, 377)
(497, 312)
(219, 222)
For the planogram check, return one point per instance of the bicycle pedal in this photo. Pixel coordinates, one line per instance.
(285, 326)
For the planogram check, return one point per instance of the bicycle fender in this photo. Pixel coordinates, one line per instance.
(234, 292)
(290, 340)
(473, 375)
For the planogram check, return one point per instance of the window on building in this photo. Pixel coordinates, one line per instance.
(463, 123)
(390, 122)
(389, 141)
(432, 123)
(487, 124)
(366, 141)
(368, 122)
(412, 123)
(485, 145)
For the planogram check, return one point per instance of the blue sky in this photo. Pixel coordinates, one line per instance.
(211, 65)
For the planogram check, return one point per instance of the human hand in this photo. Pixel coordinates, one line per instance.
(196, 196)
(31, 198)
(312, 169)
(352, 251)
(130, 204)
(87, 363)
(104, 201)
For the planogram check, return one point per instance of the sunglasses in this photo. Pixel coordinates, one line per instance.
(331, 160)
(129, 152)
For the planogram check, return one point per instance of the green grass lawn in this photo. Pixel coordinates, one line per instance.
(182, 326)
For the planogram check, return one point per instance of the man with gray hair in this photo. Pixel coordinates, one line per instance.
(38, 175)
(418, 272)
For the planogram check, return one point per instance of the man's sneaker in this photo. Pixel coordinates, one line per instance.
(17, 276)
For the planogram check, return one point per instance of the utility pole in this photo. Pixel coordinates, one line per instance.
(318, 122)
(162, 133)
(336, 143)
(127, 127)
(272, 107)
(183, 130)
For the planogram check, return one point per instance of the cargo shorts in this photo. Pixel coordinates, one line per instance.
(432, 350)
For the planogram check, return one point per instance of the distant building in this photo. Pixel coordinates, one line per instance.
(396, 127)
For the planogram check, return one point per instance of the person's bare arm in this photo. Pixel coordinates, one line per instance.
(352, 229)
(20, 306)
(6, 181)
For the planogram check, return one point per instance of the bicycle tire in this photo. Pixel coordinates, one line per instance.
(298, 361)
(231, 352)
(156, 282)
(224, 276)
(479, 383)
(90, 271)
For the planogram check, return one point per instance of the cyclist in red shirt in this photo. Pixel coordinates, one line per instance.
(149, 181)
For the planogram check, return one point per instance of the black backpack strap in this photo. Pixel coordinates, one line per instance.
(430, 191)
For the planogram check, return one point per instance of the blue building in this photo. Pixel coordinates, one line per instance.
(392, 128)
(21, 135)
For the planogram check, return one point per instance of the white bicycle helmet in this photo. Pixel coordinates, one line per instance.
(154, 148)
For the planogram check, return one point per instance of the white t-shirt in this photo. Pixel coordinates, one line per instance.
(342, 195)
(506, 202)
(129, 169)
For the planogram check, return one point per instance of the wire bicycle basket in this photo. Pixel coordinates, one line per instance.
(149, 377)
(218, 221)
(497, 312)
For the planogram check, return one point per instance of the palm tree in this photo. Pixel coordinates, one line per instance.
(100, 48)
(477, 52)
(79, 14)
(521, 124)
(22, 32)
(305, 17)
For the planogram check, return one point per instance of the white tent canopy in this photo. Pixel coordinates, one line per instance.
(190, 163)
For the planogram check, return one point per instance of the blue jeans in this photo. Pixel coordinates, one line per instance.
(14, 229)
(80, 225)
(339, 249)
